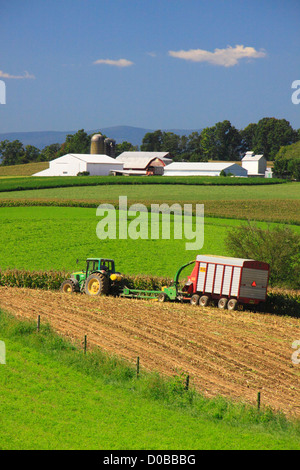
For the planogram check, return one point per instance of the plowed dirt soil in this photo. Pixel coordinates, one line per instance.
(234, 354)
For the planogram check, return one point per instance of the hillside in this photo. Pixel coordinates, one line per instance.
(120, 133)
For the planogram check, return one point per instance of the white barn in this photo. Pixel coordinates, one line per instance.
(204, 169)
(255, 165)
(73, 163)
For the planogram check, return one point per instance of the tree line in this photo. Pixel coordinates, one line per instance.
(224, 142)
(219, 142)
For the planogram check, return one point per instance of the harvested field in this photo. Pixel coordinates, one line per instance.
(234, 354)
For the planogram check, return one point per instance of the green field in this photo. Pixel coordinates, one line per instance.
(161, 192)
(45, 238)
(35, 182)
(102, 405)
(277, 203)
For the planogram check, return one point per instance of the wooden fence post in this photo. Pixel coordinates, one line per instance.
(187, 382)
(38, 323)
(258, 401)
(85, 344)
(137, 367)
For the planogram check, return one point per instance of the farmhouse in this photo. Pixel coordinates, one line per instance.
(144, 163)
(255, 165)
(73, 163)
(204, 169)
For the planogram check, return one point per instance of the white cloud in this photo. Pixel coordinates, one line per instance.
(116, 63)
(225, 57)
(18, 77)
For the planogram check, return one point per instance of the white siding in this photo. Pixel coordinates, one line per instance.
(203, 169)
(101, 168)
(72, 164)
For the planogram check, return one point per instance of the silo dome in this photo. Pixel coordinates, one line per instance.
(97, 144)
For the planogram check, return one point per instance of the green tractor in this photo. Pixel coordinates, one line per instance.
(99, 278)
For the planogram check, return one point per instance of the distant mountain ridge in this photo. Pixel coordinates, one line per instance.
(41, 139)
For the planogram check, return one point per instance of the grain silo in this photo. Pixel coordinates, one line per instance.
(97, 145)
(109, 147)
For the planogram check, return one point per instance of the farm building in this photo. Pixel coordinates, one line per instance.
(73, 163)
(144, 163)
(255, 165)
(204, 169)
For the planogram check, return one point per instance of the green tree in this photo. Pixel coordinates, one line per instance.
(80, 142)
(294, 168)
(278, 246)
(125, 147)
(31, 154)
(228, 141)
(12, 153)
(171, 143)
(247, 136)
(220, 142)
(152, 141)
(208, 146)
(193, 147)
(286, 163)
(49, 152)
(270, 135)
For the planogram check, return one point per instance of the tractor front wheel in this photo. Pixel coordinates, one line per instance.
(96, 284)
(162, 297)
(68, 287)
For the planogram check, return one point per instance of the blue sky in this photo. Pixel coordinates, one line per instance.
(158, 64)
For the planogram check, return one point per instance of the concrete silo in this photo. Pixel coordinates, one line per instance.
(97, 145)
(110, 147)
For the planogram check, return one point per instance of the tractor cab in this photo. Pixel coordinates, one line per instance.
(100, 264)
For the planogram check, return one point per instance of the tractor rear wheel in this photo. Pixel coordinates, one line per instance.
(96, 284)
(68, 287)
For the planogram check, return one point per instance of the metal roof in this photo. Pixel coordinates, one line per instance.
(222, 260)
(90, 158)
(140, 160)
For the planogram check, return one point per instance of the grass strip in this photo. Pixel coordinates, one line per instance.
(33, 182)
(54, 396)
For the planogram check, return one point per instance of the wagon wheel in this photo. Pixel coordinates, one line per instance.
(203, 302)
(68, 287)
(222, 303)
(162, 297)
(232, 304)
(195, 299)
(96, 284)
